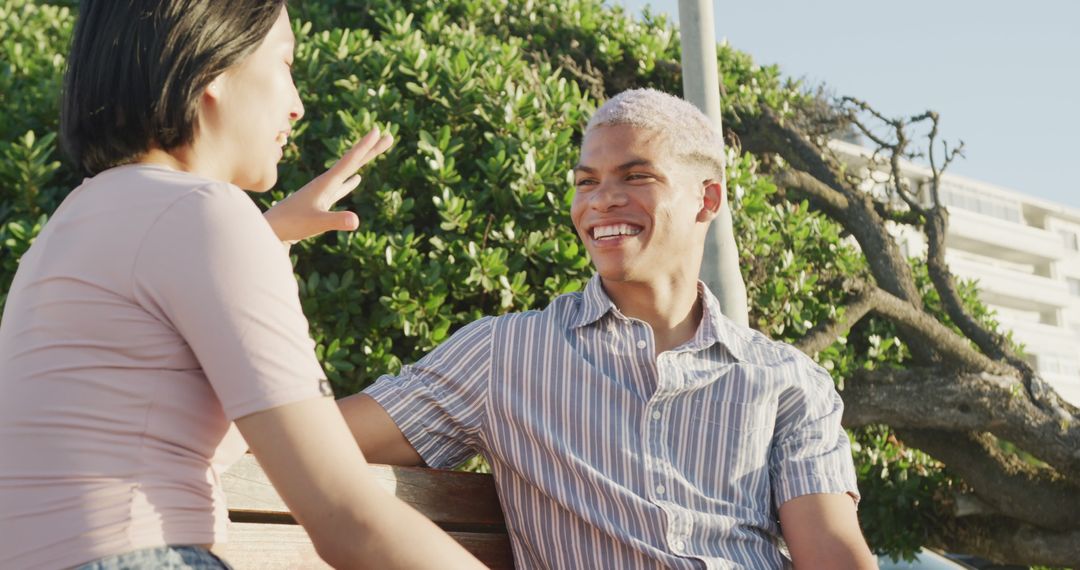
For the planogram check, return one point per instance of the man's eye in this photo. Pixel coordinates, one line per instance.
(638, 176)
(585, 182)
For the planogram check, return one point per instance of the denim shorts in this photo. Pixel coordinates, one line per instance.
(163, 557)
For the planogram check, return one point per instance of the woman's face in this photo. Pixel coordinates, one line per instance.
(247, 113)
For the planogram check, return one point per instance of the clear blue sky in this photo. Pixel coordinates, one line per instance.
(1005, 76)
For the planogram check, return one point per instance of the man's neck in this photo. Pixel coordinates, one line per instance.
(673, 308)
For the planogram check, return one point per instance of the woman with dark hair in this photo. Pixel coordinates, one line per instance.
(157, 310)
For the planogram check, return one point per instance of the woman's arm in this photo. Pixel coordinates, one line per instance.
(313, 461)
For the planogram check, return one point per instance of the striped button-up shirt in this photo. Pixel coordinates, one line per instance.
(608, 456)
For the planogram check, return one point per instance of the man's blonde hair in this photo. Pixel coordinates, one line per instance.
(694, 138)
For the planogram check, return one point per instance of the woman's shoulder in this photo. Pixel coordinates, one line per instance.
(157, 207)
(151, 181)
(152, 192)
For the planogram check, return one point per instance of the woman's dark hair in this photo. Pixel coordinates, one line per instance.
(138, 67)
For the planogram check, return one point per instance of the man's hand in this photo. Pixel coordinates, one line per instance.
(306, 212)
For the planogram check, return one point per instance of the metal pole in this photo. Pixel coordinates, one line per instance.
(701, 86)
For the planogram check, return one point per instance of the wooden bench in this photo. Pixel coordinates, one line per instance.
(264, 536)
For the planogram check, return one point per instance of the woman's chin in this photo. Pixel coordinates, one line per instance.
(259, 184)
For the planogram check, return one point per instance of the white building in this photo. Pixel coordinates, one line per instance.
(1025, 254)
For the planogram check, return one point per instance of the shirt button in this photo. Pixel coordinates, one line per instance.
(641, 344)
(657, 415)
(679, 545)
(660, 489)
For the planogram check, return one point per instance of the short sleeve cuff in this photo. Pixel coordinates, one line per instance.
(788, 489)
(419, 420)
(289, 395)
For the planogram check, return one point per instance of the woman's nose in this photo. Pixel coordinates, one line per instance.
(297, 111)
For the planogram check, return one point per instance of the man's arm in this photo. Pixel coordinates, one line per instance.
(378, 435)
(822, 531)
(430, 412)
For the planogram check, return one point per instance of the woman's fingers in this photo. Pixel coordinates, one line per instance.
(385, 142)
(367, 148)
(341, 190)
(341, 221)
(307, 212)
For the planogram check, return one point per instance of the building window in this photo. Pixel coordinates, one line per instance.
(965, 198)
(1070, 240)
(1058, 364)
(1074, 286)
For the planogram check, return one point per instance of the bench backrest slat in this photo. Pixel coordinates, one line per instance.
(262, 533)
(287, 547)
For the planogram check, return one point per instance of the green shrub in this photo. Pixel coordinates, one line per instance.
(467, 215)
(33, 47)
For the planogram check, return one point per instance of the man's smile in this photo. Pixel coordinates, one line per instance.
(613, 231)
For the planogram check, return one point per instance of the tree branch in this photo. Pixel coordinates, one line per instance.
(873, 299)
(824, 334)
(905, 217)
(941, 399)
(1006, 541)
(945, 341)
(829, 200)
(856, 212)
(1037, 496)
(896, 150)
(990, 342)
(868, 298)
(994, 345)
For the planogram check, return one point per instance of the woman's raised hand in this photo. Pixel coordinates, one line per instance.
(306, 212)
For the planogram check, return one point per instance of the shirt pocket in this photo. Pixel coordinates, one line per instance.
(730, 442)
(735, 416)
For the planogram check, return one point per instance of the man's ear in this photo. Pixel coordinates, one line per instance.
(714, 194)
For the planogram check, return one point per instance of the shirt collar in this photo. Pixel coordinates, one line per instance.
(594, 304)
(714, 327)
(717, 328)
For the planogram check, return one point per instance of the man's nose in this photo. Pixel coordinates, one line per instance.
(607, 196)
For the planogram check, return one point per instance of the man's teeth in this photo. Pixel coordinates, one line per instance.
(601, 232)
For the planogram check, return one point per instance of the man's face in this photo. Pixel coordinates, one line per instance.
(640, 211)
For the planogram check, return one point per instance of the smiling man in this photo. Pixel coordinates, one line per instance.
(631, 425)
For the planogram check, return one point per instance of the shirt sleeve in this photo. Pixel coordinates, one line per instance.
(213, 268)
(439, 402)
(812, 453)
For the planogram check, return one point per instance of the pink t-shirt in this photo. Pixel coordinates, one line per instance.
(154, 308)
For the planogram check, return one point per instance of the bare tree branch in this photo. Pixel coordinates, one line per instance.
(765, 134)
(868, 299)
(905, 217)
(897, 148)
